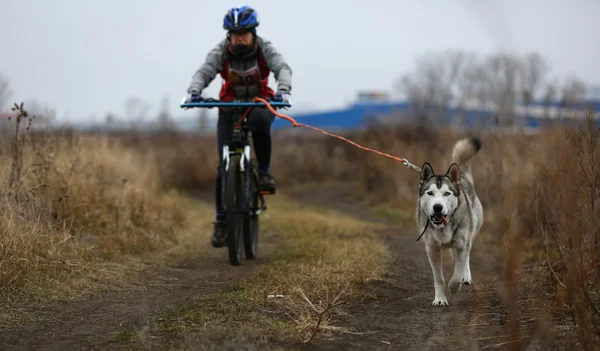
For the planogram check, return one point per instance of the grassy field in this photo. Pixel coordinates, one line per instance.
(81, 211)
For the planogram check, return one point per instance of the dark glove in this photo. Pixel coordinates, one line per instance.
(193, 98)
(283, 96)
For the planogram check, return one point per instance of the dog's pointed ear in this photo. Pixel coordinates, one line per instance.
(454, 174)
(426, 173)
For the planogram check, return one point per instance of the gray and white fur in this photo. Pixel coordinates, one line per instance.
(450, 215)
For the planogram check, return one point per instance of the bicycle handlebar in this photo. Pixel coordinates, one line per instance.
(210, 103)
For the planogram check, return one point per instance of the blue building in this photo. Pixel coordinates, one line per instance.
(375, 108)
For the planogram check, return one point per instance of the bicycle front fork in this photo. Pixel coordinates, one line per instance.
(247, 174)
(245, 157)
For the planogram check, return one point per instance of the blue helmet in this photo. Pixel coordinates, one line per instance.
(240, 18)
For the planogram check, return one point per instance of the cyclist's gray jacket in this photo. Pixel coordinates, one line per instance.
(243, 73)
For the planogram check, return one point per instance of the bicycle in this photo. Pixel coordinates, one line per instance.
(244, 201)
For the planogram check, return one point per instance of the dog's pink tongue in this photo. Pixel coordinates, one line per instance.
(444, 220)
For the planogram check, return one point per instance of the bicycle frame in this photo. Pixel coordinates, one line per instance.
(239, 143)
(240, 188)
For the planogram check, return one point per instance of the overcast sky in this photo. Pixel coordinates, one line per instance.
(85, 58)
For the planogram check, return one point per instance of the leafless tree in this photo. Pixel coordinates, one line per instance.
(440, 81)
(534, 70)
(502, 81)
(109, 119)
(5, 93)
(572, 92)
(548, 97)
(136, 108)
(43, 114)
(165, 120)
(569, 94)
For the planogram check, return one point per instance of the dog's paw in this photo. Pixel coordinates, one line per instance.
(454, 285)
(466, 279)
(440, 301)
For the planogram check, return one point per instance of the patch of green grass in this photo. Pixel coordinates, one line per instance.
(394, 213)
(125, 336)
(321, 258)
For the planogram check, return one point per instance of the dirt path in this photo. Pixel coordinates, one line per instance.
(398, 316)
(91, 323)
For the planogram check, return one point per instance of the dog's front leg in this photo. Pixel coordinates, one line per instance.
(466, 278)
(461, 258)
(435, 260)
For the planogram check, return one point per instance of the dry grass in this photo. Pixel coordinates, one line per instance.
(539, 192)
(70, 202)
(321, 260)
(567, 229)
(183, 162)
(72, 208)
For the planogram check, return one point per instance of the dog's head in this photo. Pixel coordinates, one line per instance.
(438, 193)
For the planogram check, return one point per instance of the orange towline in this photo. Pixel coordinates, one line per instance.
(296, 124)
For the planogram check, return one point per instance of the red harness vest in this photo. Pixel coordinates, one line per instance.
(257, 75)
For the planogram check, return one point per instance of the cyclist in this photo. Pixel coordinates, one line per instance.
(244, 61)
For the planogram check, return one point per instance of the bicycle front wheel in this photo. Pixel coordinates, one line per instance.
(235, 217)
(251, 219)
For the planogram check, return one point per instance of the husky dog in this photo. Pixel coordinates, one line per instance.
(449, 216)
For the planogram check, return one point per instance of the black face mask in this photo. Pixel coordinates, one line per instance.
(240, 49)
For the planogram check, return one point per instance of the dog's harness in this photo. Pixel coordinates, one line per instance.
(427, 226)
(451, 222)
(424, 230)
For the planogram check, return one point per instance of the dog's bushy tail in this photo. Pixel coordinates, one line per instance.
(463, 151)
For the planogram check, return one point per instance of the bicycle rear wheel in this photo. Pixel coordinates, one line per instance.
(251, 227)
(235, 216)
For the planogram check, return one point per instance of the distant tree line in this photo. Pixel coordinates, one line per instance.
(462, 79)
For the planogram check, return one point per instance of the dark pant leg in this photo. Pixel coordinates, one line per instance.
(260, 121)
(224, 131)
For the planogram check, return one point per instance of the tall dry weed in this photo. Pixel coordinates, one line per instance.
(567, 194)
(68, 200)
(185, 162)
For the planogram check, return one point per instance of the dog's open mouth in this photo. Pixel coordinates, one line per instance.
(438, 219)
